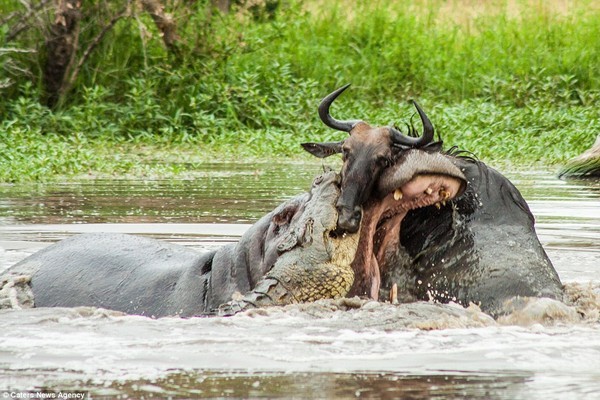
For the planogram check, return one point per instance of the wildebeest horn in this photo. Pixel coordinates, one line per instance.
(328, 120)
(427, 137)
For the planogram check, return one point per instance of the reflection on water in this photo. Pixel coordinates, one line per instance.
(218, 193)
(366, 353)
(274, 384)
(322, 385)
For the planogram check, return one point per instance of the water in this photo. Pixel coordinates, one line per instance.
(328, 349)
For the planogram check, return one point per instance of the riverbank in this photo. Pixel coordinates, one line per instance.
(517, 138)
(514, 82)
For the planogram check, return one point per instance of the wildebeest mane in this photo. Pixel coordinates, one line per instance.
(456, 152)
(503, 190)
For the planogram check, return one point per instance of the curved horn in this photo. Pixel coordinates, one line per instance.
(427, 137)
(328, 120)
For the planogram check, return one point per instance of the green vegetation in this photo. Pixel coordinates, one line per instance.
(514, 82)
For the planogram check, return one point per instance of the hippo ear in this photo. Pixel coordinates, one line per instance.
(284, 216)
(324, 149)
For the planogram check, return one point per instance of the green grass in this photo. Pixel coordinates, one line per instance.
(514, 86)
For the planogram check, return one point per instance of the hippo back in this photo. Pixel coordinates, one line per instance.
(132, 274)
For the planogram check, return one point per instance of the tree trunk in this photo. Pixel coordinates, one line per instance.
(164, 22)
(61, 47)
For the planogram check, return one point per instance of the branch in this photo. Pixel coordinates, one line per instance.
(22, 24)
(8, 17)
(95, 42)
(6, 50)
(61, 44)
(6, 83)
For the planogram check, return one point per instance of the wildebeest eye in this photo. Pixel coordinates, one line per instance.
(345, 154)
(383, 161)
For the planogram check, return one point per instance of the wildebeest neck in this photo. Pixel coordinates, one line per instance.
(419, 179)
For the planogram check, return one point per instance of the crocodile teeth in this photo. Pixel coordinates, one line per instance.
(397, 194)
(429, 190)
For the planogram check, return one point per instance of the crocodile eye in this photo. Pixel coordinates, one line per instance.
(318, 180)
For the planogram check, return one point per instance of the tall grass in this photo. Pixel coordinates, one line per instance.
(508, 80)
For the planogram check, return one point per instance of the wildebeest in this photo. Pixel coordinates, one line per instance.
(480, 247)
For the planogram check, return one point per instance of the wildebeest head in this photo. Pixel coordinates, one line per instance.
(366, 152)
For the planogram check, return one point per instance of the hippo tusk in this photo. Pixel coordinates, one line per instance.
(394, 294)
(398, 194)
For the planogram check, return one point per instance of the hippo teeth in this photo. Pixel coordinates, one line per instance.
(398, 194)
(394, 294)
(428, 190)
(445, 195)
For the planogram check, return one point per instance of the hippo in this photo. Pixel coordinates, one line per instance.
(138, 275)
(480, 247)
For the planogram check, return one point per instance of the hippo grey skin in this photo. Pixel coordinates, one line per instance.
(480, 247)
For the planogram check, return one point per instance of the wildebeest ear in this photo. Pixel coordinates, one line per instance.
(324, 149)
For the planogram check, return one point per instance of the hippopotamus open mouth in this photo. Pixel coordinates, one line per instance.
(417, 179)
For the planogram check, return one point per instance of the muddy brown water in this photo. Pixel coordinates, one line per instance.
(324, 350)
